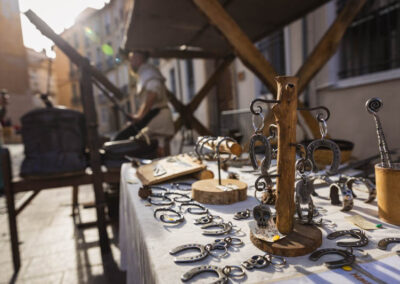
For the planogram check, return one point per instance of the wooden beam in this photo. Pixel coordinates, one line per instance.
(187, 118)
(72, 54)
(328, 44)
(89, 110)
(205, 90)
(243, 46)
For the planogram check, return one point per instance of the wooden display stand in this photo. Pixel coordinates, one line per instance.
(207, 191)
(300, 239)
(216, 191)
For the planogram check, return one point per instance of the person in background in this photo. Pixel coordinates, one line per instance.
(153, 112)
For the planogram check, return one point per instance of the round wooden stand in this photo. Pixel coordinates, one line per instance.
(207, 191)
(303, 240)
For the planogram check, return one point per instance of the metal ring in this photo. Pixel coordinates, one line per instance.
(210, 247)
(258, 129)
(231, 268)
(235, 242)
(277, 261)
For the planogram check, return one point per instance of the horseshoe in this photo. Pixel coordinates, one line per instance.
(328, 144)
(266, 161)
(355, 233)
(206, 219)
(368, 183)
(224, 228)
(348, 257)
(203, 253)
(242, 215)
(164, 200)
(163, 218)
(383, 244)
(190, 209)
(348, 200)
(181, 197)
(222, 278)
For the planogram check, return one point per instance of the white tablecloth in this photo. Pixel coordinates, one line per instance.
(145, 242)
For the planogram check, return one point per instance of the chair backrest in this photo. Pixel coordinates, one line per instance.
(54, 141)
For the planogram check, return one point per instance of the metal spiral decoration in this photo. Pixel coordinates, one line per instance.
(373, 105)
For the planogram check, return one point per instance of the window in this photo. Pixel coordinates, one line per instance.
(172, 81)
(372, 42)
(189, 78)
(273, 49)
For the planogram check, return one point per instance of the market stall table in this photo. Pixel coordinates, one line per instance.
(145, 242)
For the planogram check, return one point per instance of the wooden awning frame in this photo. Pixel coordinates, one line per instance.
(257, 63)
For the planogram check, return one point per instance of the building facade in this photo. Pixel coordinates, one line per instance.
(14, 65)
(97, 35)
(42, 77)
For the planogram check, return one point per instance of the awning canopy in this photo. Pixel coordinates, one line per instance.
(176, 28)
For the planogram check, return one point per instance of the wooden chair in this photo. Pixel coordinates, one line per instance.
(35, 185)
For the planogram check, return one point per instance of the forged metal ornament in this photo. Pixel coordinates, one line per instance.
(383, 244)
(266, 161)
(373, 105)
(304, 189)
(242, 215)
(325, 143)
(367, 182)
(222, 273)
(203, 253)
(348, 257)
(207, 219)
(347, 195)
(355, 233)
(167, 219)
(262, 214)
(223, 228)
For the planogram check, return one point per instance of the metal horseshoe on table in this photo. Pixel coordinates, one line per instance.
(191, 206)
(169, 219)
(203, 253)
(355, 233)
(368, 183)
(347, 195)
(222, 273)
(242, 215)
(165, 200)
(348, 257)
(383, 244)
(224, 228)
(207, 219)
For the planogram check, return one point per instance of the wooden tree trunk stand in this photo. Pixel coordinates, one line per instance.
(300, 239)
(303, 240)
(207, 191)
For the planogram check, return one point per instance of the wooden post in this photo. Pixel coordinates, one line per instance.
(245, 49)
(205, 90)
(286, 118)
(300, 239)
(12, 214)
(93, 144)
